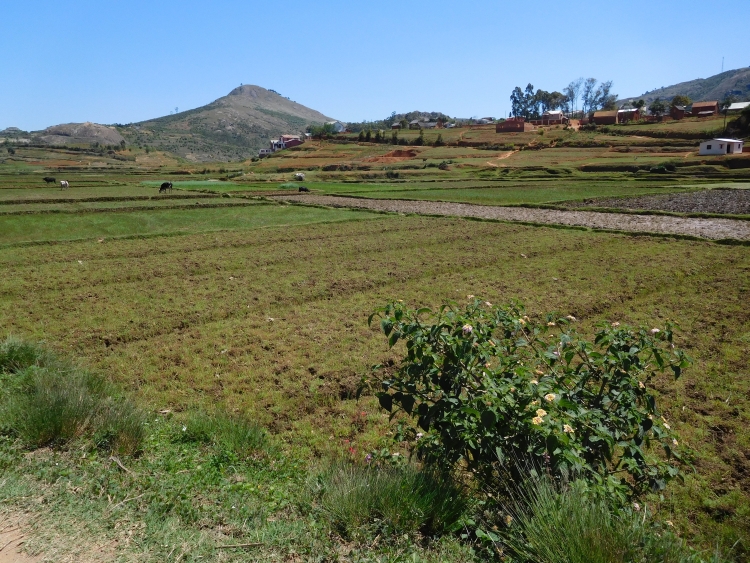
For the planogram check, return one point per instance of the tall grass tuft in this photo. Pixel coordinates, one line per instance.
(49, 402)
(17, 355)
(225, 431)
(364, 500)
(564, 525)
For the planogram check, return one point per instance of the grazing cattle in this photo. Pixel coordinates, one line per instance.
(64, 184)
(304, 189)
(299, 176)
(49, 180)
(165, 186)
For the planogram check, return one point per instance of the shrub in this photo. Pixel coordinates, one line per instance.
(489, 385)
(365, 500)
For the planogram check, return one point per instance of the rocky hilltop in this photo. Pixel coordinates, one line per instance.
(233, 127)
(79, 133)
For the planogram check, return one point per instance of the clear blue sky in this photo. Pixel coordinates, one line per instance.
(87, 60)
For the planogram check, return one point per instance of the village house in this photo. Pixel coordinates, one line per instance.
(705, 109)
(628, 114)
(513, 125)
(721, 146)
(338, 126)
(416, 124)
(396, 125)
(677, 112)
(737, 107)
(551, 117)
(604, 118)
(283, 142)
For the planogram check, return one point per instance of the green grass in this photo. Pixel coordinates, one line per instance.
(57, 227)
(46, 401)
(568, 526)
(363, 501)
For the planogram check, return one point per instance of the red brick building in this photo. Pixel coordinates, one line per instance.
(705, 109)
(513, 125)
(605, 118)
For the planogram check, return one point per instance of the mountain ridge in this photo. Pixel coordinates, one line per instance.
(734, 82)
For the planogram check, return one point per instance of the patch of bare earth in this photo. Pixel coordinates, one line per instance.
(25, 538)
(733, 201)
(699, 227)
(12, 539)
(393, 156)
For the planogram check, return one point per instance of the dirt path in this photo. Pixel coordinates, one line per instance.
(704, 228)
(12, 538)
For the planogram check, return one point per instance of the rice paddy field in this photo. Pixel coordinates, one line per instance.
(214, 297)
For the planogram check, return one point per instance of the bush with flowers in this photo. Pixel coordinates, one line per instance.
(489, 390)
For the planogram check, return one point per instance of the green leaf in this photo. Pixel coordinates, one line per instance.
(386, 401)
(395, 335)
(488, 418)
(407, 402)
(386, 325)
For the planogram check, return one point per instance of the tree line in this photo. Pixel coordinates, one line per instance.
(593, 96)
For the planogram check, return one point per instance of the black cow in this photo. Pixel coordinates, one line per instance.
(165, 186)
(303, 189)
(49, 180)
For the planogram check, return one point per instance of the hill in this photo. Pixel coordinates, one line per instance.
(79, 133)
(233, 127)
(732, 82)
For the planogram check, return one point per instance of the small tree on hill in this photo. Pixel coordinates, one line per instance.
(439, 141)
(368, 135)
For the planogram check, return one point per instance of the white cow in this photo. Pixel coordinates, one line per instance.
(299, 176)
(64, 184)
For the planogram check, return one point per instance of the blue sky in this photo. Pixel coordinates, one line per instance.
(118, 62)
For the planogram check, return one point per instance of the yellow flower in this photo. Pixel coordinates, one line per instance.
(549, 397)
(615, 324)
(535, 382)
(541, 412)
(667, 426)
(567, 428)
(537, 420)
(641, 385)
(675, 442)
(669, 523)
(535, 402)
(523, 322)
(571, 318)
(508, 519)
(539, 372)
(550, 324)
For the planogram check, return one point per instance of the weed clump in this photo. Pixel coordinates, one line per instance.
(46, 401)
(366, 500)
(226, 432)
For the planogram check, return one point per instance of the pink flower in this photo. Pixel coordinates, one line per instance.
(467, 330)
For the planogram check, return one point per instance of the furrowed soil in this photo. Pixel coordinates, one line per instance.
(271, 323)
(713, 228)
(731, 201)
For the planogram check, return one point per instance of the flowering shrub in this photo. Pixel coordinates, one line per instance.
(489, 387)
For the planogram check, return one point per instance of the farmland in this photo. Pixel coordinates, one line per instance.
(216, 297)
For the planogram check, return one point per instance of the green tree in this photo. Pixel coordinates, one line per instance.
(639, 104)
(439, 141)
(368, 135)
(681, 100)
(11, 150)
(658, 107)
